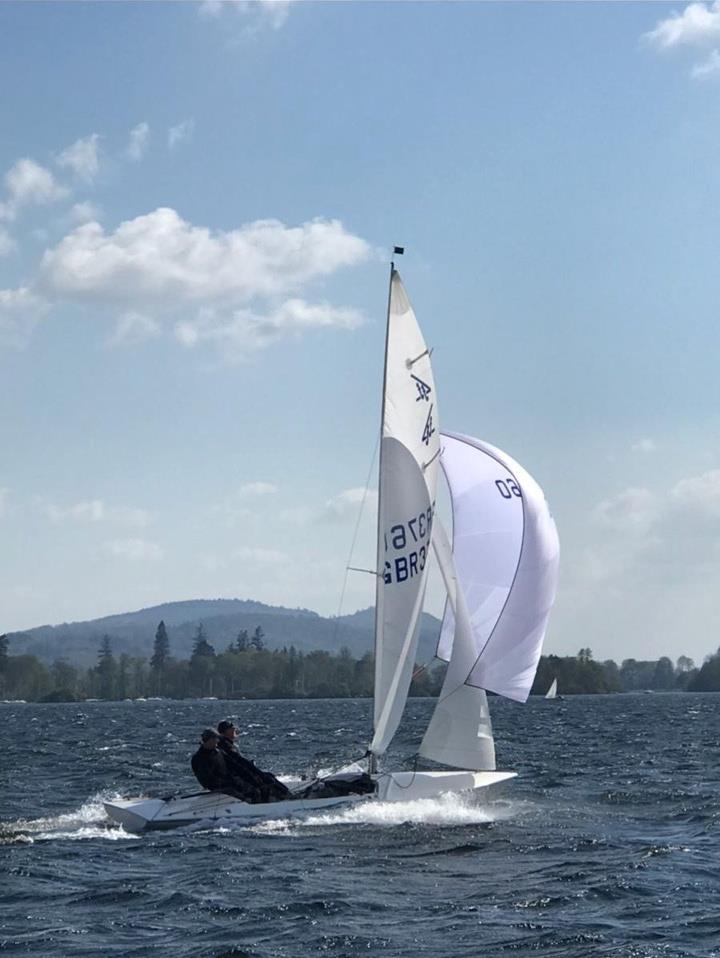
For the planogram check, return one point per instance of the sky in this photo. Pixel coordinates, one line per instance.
(197, 203)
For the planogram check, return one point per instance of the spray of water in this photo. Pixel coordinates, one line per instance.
(88, 821)
(447, 810)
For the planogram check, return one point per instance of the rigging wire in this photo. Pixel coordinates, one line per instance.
(354, 540)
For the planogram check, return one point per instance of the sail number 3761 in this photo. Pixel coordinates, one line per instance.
(401, 536)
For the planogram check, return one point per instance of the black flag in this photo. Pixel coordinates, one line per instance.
(399, 250)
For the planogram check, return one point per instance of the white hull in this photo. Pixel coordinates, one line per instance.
(213, 808)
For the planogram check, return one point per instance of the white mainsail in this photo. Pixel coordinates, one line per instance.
(552, 691)
(409, 454)
(506, 553)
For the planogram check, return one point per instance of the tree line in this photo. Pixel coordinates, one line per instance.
(247, 669)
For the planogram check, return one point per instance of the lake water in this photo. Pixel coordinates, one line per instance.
(607, 844)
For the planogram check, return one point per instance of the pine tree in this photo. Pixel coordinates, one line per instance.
(201, 646)
(3, 661)
(242, 643)
(257, 640)
(202, 663)
(160, 656)
(106, 669)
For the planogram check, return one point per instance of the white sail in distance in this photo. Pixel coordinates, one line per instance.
(409, 462)
(552, 691)
(506, 555)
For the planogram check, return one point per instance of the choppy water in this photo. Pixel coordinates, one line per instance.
(608, 843)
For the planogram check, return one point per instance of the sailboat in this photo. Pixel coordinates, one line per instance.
(552, 691)
(499, 573)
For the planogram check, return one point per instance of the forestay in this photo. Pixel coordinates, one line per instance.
(409, 455)
(506, 553)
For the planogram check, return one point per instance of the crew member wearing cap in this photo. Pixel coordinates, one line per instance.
(211, 770)
(208, 763)
(244, 770)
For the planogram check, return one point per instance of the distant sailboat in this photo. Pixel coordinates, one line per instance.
(500, 577)
(552, 691)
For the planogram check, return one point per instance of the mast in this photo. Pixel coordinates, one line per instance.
(380, 584)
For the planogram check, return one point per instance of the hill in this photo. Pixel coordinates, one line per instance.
(222, 619)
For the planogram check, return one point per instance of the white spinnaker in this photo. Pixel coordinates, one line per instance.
(409, 457)
(460, 731)
(506, 554)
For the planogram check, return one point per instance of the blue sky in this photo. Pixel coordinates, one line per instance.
(197, 202)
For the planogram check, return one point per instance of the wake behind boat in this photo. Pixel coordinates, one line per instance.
(499, 575)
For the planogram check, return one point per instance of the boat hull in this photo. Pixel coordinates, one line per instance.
(214, 808)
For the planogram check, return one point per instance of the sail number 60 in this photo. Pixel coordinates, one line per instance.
(508, 488)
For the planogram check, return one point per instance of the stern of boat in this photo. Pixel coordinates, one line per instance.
(134, 814)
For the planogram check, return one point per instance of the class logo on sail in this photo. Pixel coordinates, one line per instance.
(423, 389)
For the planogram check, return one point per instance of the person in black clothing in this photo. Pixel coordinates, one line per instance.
(245, 771)
(211, 770)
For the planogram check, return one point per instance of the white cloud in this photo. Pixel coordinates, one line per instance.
(708, 68)
(7, 243)
(85, 212)
(82, 157)
(275, 12)
(697, 25)
(698, 496)
(137, 550)
(258, 13)
(659, 534)
(159, 259)
(95, 510)
(27, 184)
(646, 582)
(644, 445)
(347, 504)
(236, 289)
(244, 331)
(158, 263)
(133, 328)
(20, 311)
(629, 510)
(180, 133)
(137, 145)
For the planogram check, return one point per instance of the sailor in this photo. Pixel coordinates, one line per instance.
(245, 771)
(211, 770)
(208, 763)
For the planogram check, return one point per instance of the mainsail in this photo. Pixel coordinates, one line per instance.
(552, 691)
(506, 553)
(409, 454)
